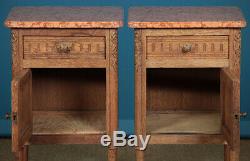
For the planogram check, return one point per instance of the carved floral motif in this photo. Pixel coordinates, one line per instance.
(14, 39)
(235, 66)
(138, 49)
(114, 50)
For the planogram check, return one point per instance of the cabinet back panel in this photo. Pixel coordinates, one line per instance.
(69, 89)
(183, 89)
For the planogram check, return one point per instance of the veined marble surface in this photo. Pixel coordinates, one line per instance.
(185, 17)
(65, 17)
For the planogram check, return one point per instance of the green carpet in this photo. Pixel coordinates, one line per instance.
(98, 153)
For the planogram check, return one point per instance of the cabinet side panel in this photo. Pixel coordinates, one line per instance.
(112, 84)
(231, 106)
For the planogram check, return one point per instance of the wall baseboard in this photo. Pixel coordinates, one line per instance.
(5, 128)
(245, 129)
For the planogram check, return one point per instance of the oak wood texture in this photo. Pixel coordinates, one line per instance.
(21, 109)
(65, 76)
(183, 89)
(38, 47)
(64, 122)
(185, 17)
(65, 17)
(69, 89)
(140, 77)
(66, 139)
(232, 82)
(183, 122)
(187, 61)
(187, 46)
(164, 48)
(63, 48)
(230, 95)
(22, 154)
(187, 139)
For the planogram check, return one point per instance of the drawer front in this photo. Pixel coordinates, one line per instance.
(187, 46)
(69, 47)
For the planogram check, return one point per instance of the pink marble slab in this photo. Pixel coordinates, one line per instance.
(186, 17)
(65, 17)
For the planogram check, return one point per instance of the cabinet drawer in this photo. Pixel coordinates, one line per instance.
(64, 47)
(187, 46)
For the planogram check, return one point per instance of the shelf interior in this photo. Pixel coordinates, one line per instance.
(183, 89)
(68, 89)
(189, 122)
(68, 122)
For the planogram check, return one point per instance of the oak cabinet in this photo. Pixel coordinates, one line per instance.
(64, 85)
(187, 75)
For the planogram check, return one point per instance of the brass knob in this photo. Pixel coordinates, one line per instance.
(187, 48)
(64, 47)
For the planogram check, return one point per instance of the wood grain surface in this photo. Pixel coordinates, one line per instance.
(65, 122)
(91, 87)
(166, 78)
(185, 122)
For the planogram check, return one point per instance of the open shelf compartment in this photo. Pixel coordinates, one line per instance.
(183, 101)
(69, 101)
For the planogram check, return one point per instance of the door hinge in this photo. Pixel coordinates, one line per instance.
(7, 116)
(240, 115)
(10, 116)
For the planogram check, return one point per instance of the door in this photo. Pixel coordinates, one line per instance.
(21, 109)
(230, 99)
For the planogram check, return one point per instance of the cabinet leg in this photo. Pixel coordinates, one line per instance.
(25, 155)
(231, 155)
(112, 154)
(22, 155)
(16, 156)
(139, 155)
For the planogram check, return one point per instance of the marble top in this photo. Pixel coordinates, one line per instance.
(186, 17)
(65, 17)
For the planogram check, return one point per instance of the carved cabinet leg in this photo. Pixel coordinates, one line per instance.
(22, 155)
(16, 156)
(25, 153)
(139, 155)
(112, 154)
(231, 155)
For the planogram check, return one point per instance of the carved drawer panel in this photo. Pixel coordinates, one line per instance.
(48, 47)
(187, 46)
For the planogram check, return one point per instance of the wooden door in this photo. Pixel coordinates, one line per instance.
(230, 99)
(21, 109)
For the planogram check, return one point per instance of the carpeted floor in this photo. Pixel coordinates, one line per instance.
(98, 153)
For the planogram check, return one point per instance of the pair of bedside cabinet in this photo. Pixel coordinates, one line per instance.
(65, 76)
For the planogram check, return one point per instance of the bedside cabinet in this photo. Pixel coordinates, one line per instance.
(65, 80)
(187, 75)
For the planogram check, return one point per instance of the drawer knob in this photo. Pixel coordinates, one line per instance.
(64, 47)
(186, 48)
